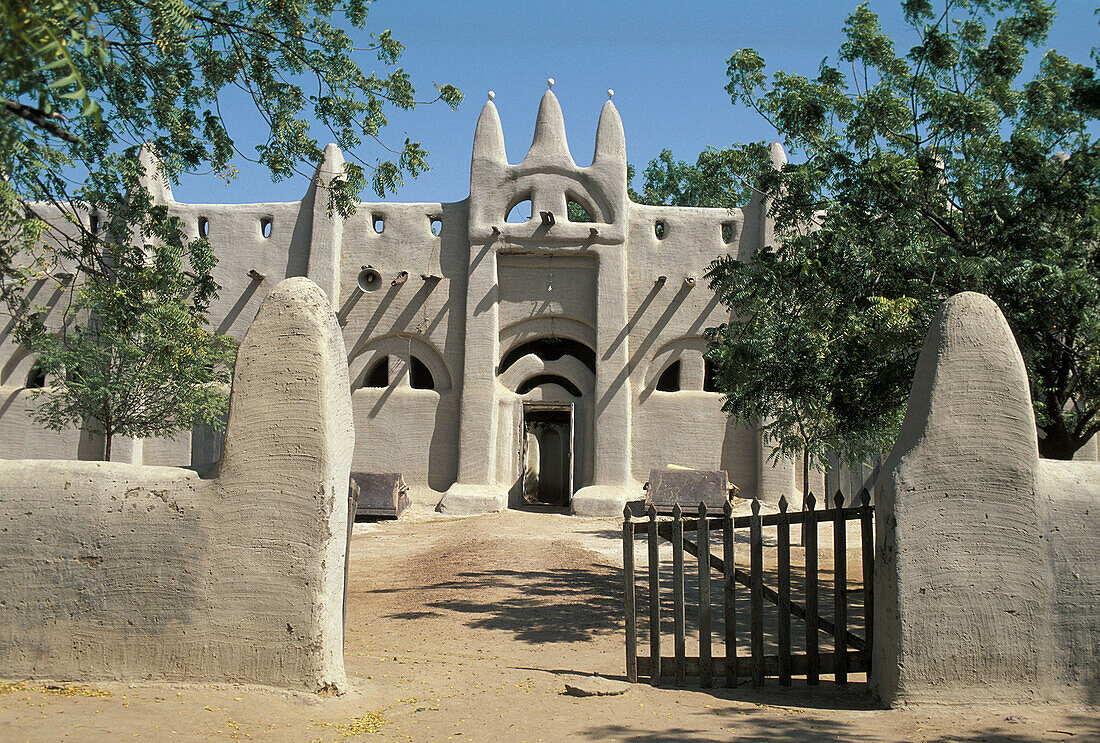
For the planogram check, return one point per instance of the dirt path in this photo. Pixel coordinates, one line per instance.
(467, 629)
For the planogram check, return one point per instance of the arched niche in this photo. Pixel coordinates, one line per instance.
(688, 350)
(399, 347)
(516, 206)
(542, 379)
(586, 205)
(533, 329)
(567, 367)
(560, 188)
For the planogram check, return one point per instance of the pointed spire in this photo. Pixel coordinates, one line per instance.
(610, 140)
(154, 179)
(777, 155)
(549, 142)
(332, 166)
(489, 135)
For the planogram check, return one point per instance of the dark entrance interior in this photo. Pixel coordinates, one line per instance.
(548, 455)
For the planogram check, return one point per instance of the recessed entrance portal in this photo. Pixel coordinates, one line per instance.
(547, 453)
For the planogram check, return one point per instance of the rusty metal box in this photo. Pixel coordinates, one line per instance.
(381, 495)
(689, 488)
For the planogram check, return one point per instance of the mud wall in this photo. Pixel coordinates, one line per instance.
(120, 571)
(987, 580)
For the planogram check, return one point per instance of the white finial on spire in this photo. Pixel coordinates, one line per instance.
(549, 82)
(492, 95)
(610, 93)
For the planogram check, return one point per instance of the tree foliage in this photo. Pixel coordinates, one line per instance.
(716, 179)
(131, 357)
(915, 176)
(84, 85)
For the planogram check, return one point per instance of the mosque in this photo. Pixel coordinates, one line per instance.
(500, 352)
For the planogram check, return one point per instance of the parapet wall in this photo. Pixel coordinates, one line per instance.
(118, 571)
(987, 577)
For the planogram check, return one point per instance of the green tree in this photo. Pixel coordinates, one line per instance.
(84, 85)
(917, 176)
(132, 357)
(716, 179)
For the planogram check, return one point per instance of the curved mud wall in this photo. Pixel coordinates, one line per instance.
(120, 571)
(987, 582)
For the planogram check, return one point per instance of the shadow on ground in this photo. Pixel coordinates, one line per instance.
(765, 724)
(536, 606)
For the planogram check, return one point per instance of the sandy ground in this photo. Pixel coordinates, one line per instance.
(468, 629)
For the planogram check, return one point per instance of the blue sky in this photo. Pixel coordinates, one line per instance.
(665, 61)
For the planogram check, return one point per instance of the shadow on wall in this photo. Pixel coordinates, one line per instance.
(643, 347)
(736, 440)
(238, 307)
(442, 449)
(301, 237)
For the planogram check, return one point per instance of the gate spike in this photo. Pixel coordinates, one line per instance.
(755, 506)
(783, 503)
(652, 511)
(626, 513)
(702, 510)
(838, 499)
(727, 509)
(677, 512)
(810, 501)
(865, 498)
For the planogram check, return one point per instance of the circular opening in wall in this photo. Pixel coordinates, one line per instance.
(436, 225)
(727, 232)
(379, 224)
(204, 227)
(369, 280)
(659, 229)
(265, 226)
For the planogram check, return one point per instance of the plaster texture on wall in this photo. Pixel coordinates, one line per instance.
(1069, 493)
(459, 288)
(985, 574)
(119, 571)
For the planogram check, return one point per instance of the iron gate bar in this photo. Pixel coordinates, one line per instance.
(756, 592)
(628, 599)
(850, 513)
(840, 599)
(868, 548)
(771, 665)
(680, 640)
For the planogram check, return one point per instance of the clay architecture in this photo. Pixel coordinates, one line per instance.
(987, 573)
(466, 331)
(117, 571)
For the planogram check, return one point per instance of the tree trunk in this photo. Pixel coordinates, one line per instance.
(805, 474)
(805, 490)
(107, 446)
(1055, 444)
